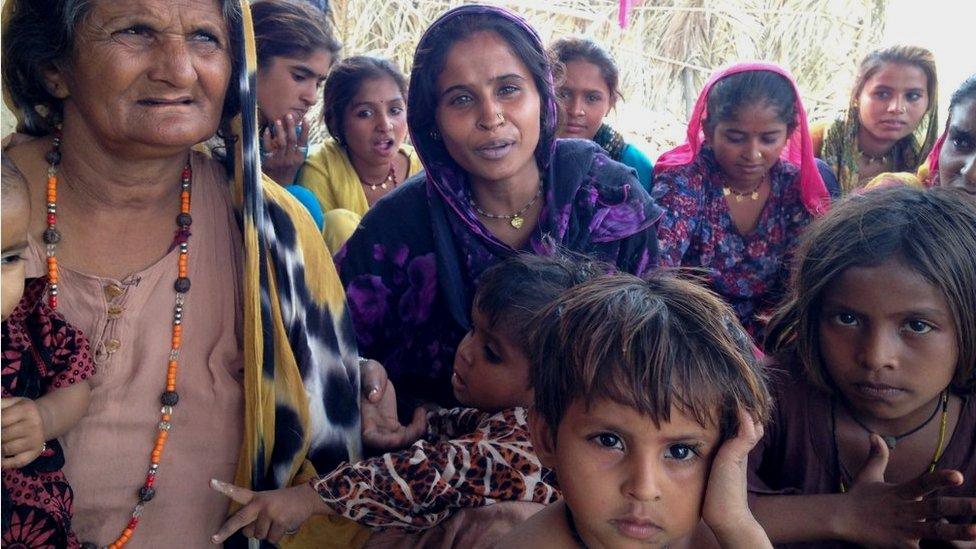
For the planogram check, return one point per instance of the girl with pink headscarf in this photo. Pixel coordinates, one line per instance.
(741, 189)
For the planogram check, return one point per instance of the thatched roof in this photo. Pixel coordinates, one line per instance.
(668, 49)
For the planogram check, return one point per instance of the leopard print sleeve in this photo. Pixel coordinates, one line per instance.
(418, 487)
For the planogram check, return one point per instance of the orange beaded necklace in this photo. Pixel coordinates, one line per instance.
(170, 397)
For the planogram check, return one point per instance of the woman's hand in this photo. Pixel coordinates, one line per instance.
(268, 515)
(381, 428)
(899, 515)
(726, 508)
(283, 149)
(22, 431)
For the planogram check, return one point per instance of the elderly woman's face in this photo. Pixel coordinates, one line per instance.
(147, 73)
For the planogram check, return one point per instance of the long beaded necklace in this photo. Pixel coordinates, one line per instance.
(390, 178)
(890, 440)
(169, 397)
(514, 219)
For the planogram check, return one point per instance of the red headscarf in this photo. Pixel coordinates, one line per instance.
(798, 149)
(931, 179)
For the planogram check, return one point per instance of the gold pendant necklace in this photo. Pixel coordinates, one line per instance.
(752, 195)
(515, 220)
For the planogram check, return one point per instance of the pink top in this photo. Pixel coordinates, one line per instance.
(798, 149)
(129, 323)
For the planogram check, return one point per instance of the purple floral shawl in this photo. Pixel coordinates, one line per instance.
(411, 267)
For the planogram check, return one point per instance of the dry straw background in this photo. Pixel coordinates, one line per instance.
(665, 54)
(667, 50)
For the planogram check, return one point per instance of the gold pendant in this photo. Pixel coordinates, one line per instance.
(517, 222)
(726, 191)
(755, 195)
(383, 185)
(738, 198)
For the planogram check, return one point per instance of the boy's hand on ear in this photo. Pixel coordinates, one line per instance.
(381, 428)
(726, 507)
(899, 515)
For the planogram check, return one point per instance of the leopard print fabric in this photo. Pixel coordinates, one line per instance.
(469, 458)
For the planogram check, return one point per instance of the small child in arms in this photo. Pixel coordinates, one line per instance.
(46, 363)
(466, 457)
(648, 398)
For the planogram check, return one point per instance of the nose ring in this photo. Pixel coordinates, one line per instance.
(501, 117)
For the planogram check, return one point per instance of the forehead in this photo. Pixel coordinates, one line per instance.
(583, 74)
(963, 116)
(479, 59)
(755, 118)
(898, 76)
(380, 89)
(182, 12)
(892, 286)
(607, 413)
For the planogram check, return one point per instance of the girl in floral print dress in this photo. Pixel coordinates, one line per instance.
(743, 187)
(45, 364)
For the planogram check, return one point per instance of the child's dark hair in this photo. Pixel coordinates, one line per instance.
(290, 28)
(648, 344)
(730, 95)
(932, 231)
(512, 291)
(571, 48)
(343, 83)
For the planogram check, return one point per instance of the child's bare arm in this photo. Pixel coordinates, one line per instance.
(271, 514)
(872, 512)
(27, 424)
(62, 408)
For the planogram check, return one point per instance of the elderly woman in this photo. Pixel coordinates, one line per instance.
(482, 114)
(174, 273)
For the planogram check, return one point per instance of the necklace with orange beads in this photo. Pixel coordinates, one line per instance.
(169, 397)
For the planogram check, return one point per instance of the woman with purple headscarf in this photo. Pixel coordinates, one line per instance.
(482, 115)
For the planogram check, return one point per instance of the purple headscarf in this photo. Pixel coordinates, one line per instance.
(411, 267)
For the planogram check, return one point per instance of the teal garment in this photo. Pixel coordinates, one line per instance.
(311, 203)
(633, 157)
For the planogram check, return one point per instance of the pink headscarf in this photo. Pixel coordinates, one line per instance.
(798, 149)
(931, 179)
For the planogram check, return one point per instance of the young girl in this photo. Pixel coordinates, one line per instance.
(876, 348)
(588, 90)
(738, 193)
(467, 457)
(45, 364)
(365, 111)
(890, 124)
(952, 162)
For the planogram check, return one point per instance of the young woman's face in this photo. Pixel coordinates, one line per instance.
(892, 102)
(748, 145)
(629, 482)
(888, 342)
(488, 110)
(957, 161)
(291, 85)
(490, 371)
(375, 121)
(584, 99)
